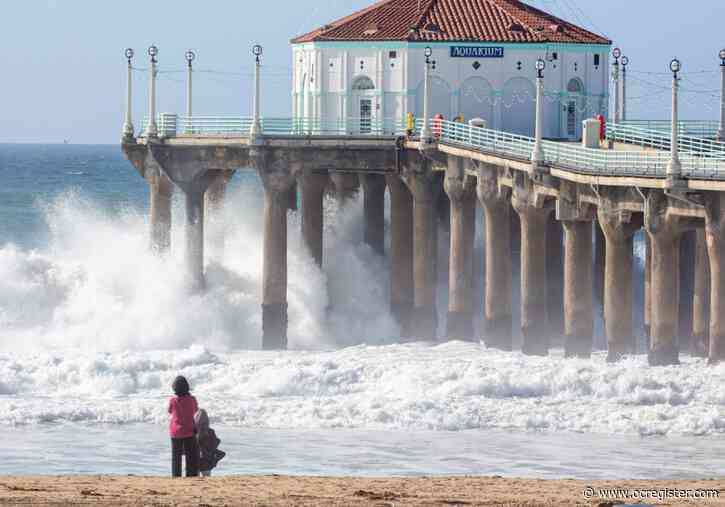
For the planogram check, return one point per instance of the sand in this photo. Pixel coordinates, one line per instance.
(319, 491)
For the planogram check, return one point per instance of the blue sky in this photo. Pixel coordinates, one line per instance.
(63, 69)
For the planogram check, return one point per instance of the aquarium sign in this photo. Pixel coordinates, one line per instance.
(476, 52)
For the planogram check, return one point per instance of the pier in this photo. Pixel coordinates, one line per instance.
(575, 202)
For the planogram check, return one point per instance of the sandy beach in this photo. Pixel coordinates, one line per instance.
(319, 491)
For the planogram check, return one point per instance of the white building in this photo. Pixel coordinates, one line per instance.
(370, 65)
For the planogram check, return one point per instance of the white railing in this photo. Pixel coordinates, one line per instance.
(691, 128)
(661, 140)
(697, 162)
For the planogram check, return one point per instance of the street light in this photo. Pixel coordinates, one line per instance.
(623, 97)
(426, 140)
(721, 130)
(256, 130)
(674, 167)
(152, 129)
(190, 57)
(128, 123)
(537, 156)
(617, 54)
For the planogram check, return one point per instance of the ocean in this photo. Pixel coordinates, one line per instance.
(93, 328)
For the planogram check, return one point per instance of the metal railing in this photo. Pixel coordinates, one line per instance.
(697, 161)
(691, 128)
(661, 140)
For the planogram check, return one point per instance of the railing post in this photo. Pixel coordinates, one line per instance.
(721, 129)
(256, 131)
(152, 129)
(128, 122)
(190, 55)
(674, 167)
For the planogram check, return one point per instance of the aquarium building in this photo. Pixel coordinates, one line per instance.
(370, 66)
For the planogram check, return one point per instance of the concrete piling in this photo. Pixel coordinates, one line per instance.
(555, 276)
(194, 199)
(214, 204)
(160, 194)
(496, 205)
(312, 186)
(715, 237)
(701, 298)
(425, 240)
(373, 186)
(460, 189)
(402, 292)
(619, 229)
(578, 289)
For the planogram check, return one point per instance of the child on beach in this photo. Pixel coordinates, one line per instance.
(182, 408)
(209, 453)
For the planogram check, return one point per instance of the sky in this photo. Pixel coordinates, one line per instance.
(63, 71)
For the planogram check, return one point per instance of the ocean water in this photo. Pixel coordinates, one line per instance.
(93, 328)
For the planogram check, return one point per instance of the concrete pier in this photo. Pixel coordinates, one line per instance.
(194, 200)
(373, 186)
(701, 298)
(715, 236)
(160, 194)
(600, 256)
(461, 191)
(214, 205)
(662, 226)
(496, 203)
(402, 292)
(686, 269)
(425, 189)
(555, 277)
(534, 216)
(647, 287)
(312, 187)
(274, 275)
(619, 229)
(345, 185)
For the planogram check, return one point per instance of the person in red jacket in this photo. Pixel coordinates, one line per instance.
(182, 408)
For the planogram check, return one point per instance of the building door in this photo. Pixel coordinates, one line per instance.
(366, 114)
(571, 120)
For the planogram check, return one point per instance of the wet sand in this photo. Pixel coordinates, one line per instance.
(319, 491)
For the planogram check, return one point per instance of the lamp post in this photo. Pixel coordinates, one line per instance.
(617, 53)
(152, 129)
(426, 139)
(674, 167)
(256, 129)
(537, 156)
(128, 122)
(721, 130)
(623, 98)
(190, 57)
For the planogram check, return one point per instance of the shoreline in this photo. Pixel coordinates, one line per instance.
(276, 490)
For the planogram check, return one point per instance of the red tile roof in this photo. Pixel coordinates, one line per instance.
(452, 20)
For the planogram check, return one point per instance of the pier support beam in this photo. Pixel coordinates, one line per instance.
(312, 186)
(619, 228)
(534, 216)
(496, 203)
(686, 270)
(346, 186)
(576, 219)
(374, 210)
(662, 226)
(214, 206)
(600, 256)
(647, 287)
(274, 271)
(160, 194)
(425, 188)
(402, 292)
(715, 236)
(461, 193)
(194, 200)
(701, 298)
(555, 276)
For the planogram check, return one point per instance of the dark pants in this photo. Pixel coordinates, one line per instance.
(189, 447)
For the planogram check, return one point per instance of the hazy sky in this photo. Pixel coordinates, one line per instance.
(63, 71)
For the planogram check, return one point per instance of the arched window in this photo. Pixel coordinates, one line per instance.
(575, 86)
(363, 83)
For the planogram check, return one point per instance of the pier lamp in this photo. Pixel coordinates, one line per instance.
(721, 130)
(674, 167)
(617, 54)
(190, 56)
(151, 128)
(128, 123)
(256, 130)
(623, 94)
(537, 156)
(426, 139)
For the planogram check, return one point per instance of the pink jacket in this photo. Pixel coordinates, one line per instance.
(182, 410)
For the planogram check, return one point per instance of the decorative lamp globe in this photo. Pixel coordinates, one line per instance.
(675, 66)
(153, 51)
(129, 53)
(617, 53)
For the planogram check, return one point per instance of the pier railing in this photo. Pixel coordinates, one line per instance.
(691, 128)
(638, 134)
(700, 158)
